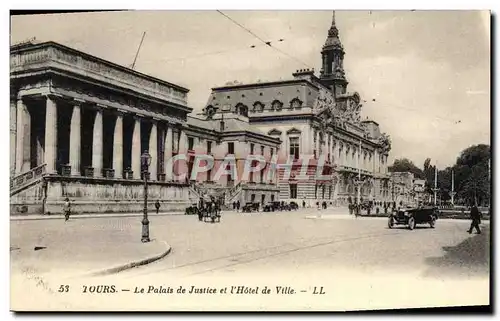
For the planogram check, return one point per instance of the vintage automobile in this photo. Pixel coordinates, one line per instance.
(294, 206)
(192, 210)
(271, 207)
(413, 216)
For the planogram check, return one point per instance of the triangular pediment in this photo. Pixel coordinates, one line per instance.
(293, 131)
(274, 132)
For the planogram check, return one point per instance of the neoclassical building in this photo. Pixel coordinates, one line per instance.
(79, 125)
(316, 116)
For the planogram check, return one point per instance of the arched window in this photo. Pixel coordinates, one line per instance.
(242, 109)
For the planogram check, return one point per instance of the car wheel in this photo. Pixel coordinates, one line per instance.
(390, 224)
(432, 223)
(411, 223)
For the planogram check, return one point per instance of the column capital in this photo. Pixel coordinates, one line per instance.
(78, 102)
(53, 96)
(118, 112)
(136, 116)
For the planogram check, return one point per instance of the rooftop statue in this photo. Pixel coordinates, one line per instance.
(385, 141)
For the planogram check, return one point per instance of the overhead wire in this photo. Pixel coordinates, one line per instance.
(214, 53)
(268, 43)
(414, 110)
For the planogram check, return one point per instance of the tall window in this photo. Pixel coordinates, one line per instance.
(252, 146)
(294, 147)
(209, 150)
(293, 191)
(175, 142)
(190, 143)
(262, 150)
(272, 152)
(230, 148)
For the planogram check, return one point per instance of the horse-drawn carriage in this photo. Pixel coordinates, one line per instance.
(208, 209)
(192, 210)
(251, 207)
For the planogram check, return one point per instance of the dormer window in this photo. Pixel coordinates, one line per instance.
(242, 109)
(258, 107)
(277, 105)
(295, 103)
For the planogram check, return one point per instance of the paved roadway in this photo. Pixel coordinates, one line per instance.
(360, 262)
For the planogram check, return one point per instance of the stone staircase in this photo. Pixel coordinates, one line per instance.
(233, 193)
(27, 179)
(28, 191)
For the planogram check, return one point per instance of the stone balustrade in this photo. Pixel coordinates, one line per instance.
(52, 55)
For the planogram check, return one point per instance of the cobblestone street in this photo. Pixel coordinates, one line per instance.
(266, 246)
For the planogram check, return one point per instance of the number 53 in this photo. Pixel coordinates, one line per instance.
(63, 288)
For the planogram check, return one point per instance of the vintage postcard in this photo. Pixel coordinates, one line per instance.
(250, 160)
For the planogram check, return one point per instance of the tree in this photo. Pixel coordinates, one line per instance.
(406, 165)
(472, 181)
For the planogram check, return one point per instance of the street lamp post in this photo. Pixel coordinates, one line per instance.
(145, 162)
(452, 188)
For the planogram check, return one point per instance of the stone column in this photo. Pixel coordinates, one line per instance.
(153, 151)
(283, 152)
(304, 143)
(167, 154)
(13, 130)
(75, 139)
(97, 143)
(118, 145)
(182, 164)
(21, 118)
(50, 156)
(346, 154)
(136, 148)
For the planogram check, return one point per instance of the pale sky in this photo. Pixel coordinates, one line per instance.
(429, 71)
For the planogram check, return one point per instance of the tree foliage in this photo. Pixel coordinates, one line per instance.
(406, 165)
(470, 173)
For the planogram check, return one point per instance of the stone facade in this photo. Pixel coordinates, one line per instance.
(316, 116)
(80, 125)
(407, 189)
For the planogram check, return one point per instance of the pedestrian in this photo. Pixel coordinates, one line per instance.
(67, 209)
(238, 206)
(157, 205)
(234, 206)
(475, 216)
(303, 203)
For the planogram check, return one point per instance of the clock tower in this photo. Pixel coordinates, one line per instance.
(332, 73)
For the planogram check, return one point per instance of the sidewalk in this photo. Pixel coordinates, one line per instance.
(20, 217)
(80, 247)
